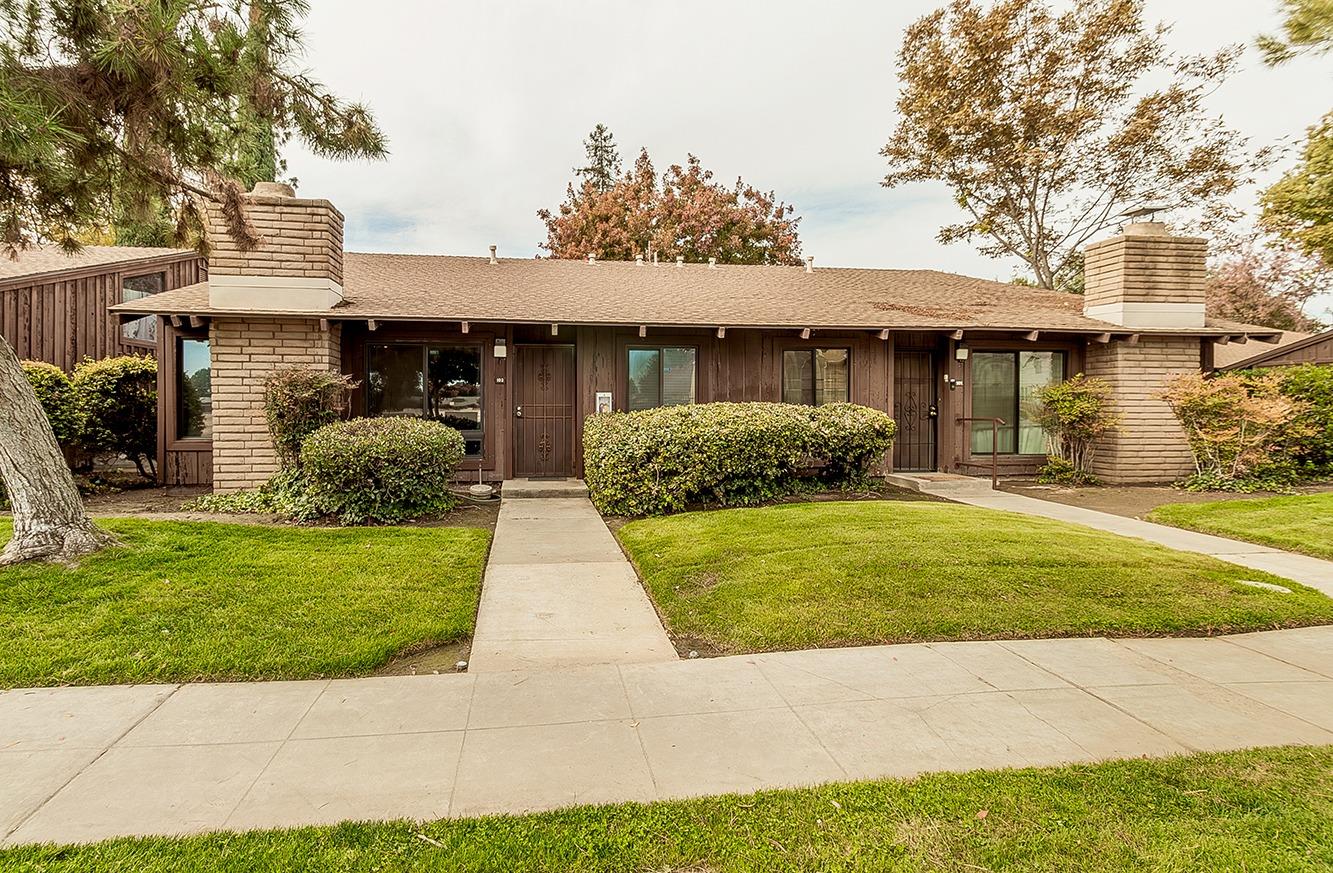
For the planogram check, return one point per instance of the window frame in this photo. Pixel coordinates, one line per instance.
(140, 343)
(1016, 353)
(477, 435)
(177, 361)
(660, 348)
(813, 350)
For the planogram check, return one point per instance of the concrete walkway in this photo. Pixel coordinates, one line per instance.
(559, 592)
(81, 764)
(1314, 572)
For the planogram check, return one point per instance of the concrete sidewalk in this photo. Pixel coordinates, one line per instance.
(559, 592)
(1314, 572)
(81, 764)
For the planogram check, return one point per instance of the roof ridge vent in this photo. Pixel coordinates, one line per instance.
(592, 257)
(680, 260)
(712, 263)
(809, 263)
(638, 260)
(494, 259)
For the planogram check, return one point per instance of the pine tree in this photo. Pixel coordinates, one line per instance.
(603, 168)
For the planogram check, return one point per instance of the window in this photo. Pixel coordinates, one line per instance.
(442, 383)
(194, 389)
(816, 376)
(1005, 385)
(141, 331)
(661, 377)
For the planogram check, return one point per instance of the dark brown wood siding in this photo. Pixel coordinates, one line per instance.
(62, 318)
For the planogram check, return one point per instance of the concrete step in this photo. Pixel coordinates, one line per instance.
(519, 489)
(940, 484)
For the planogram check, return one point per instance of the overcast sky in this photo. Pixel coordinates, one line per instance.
(486, 105)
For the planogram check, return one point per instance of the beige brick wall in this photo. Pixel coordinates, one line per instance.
(1145, 269)
(1149, 446)
(300, 238)
(245, 351)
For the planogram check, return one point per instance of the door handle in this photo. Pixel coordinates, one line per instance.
(933, 412)
(518, 411)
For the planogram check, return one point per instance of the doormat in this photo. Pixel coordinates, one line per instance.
(547, 478)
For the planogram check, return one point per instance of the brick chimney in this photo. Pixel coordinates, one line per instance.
(1144, 277)
(298, 264)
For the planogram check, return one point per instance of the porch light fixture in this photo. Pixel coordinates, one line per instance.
(960, 353)
(501, 350)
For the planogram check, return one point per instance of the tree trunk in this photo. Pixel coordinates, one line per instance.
(49, 519)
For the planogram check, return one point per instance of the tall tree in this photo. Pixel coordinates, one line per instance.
(1307, 27)
(1259, 280)
(114, 104)
(1046, 125)
(603, 168)
(1299, 206)
(683, 213)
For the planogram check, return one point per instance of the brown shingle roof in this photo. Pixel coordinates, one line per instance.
(49, 259)
(442, 287)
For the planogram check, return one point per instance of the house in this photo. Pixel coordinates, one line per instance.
(1292, 349)
(55, 307)
(515, 353)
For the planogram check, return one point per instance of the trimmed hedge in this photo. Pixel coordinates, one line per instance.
(381, 469)
(1312, 384)
(117, 398)
(299, 401)
(55, 392)
(668, 459)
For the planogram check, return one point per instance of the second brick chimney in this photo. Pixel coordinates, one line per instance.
(1144, 277)
(298, 264)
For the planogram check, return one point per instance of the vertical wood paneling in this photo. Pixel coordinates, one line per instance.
(64, 320)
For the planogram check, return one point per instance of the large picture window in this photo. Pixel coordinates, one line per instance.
(141, 331)
(1005, 385)
(662, 377)
(816, 376)
(442, 383)
(194, 389)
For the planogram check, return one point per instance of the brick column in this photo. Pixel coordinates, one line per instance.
(245, 351)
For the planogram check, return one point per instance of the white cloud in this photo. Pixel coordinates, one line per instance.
(486, 105)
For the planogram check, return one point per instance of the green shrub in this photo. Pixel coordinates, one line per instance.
(118, 400)
(56, 394)
(667, 459)
(298, 402)
(1075, 414)
(1312, 446)
(381, 469)
(286, 494)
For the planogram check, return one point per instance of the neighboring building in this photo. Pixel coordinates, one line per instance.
(1292, 349)
(55, 307)
(515, 352)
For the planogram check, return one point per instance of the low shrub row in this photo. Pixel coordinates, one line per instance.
(367, 470)
(1258, 429)
(105, 408)
(668, 459)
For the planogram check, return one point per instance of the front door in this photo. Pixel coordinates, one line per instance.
(544, 411)
(915, 408)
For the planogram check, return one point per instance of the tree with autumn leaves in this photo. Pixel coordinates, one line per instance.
(683, 213)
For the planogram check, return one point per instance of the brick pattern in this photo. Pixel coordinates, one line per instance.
(244, 352)
(301, 238)
(1149, 445)
(1145, 269)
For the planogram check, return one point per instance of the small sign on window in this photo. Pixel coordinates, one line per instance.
(603, 401)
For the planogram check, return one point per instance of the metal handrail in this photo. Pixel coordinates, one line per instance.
(995, 424)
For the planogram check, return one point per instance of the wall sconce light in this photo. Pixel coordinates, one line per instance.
(501, 350)
(960, 353)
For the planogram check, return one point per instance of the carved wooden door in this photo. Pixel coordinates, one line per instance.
(544, 411)
(915, 408)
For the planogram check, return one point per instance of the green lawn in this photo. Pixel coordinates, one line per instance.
(1299, 523)
(182, 601)
(1260, 810)
(835, 574)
